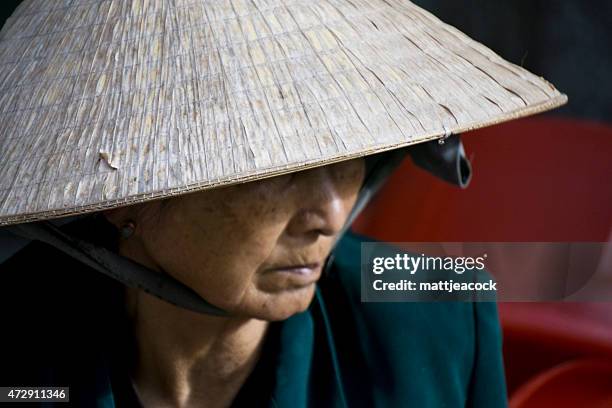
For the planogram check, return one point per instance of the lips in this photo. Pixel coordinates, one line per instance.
(290, 276)
(303, 269)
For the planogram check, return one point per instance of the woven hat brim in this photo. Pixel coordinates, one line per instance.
(106, 104)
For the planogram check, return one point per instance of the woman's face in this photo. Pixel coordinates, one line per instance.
(253, 249)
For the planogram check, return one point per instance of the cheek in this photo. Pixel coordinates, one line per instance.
(215, 246)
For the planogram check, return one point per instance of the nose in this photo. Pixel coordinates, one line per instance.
(322, 204)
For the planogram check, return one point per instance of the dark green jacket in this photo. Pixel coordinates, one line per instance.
(64, 325)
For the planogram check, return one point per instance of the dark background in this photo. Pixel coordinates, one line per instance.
(566, 41)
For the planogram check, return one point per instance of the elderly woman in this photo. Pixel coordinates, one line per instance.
(210, 157)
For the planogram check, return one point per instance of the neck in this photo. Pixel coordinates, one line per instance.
(188, 359)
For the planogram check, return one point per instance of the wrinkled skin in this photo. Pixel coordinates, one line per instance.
(224, 242)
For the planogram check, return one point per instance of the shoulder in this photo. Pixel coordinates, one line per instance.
(399, 321)
(443, 346)
(347, 269)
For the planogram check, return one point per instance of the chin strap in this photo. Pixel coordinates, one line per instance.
(118, 267)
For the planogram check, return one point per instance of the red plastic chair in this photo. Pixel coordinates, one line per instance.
(574, 384)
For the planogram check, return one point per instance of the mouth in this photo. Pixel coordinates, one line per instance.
(291, 277)
(305, 269)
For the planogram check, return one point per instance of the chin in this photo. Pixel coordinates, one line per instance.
(283, 305)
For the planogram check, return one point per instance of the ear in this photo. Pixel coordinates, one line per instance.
(118, 216)
(136, 213)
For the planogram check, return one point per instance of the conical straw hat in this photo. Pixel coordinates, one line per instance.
(109, 103)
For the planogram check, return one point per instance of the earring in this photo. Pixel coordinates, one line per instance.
(127, 229)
